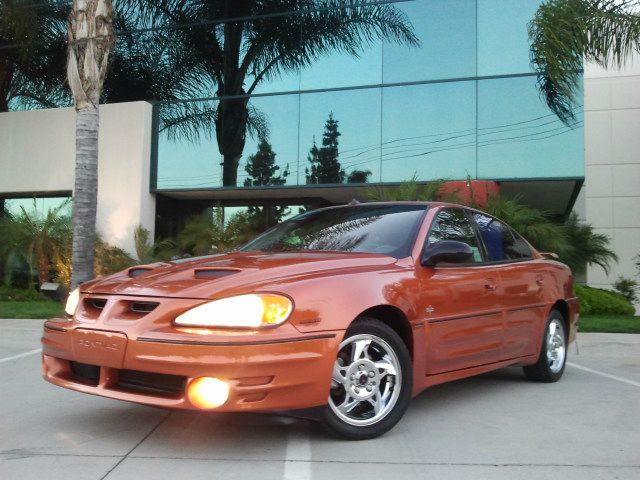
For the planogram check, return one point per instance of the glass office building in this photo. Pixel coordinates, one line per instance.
(459, 102)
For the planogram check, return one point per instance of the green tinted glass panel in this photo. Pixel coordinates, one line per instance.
(429, 131)
(503, 44)
(358, 115)
(519, 137)
(446, 34)
(278, 117)
(187, 162)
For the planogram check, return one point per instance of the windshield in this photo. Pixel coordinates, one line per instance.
(385, 229)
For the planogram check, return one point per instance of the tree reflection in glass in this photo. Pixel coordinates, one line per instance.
(384, 229)
(258, 41)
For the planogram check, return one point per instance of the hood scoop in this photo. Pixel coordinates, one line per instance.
(213, 273)
(142, 269)
(137, 271)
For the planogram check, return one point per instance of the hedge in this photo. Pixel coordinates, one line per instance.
(597, 301)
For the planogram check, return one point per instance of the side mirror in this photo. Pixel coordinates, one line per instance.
(447, 251)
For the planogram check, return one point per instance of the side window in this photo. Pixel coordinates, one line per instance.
(454, 224)
(501, 242)
(519, 248)
(492, 232)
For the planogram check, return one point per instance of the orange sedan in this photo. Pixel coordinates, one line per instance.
(351, 309)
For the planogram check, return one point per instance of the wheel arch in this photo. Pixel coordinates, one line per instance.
(395, 319)
(563, 307)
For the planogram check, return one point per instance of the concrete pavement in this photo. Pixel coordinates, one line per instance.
(496, 426)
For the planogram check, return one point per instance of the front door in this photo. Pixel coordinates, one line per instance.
(459, 303)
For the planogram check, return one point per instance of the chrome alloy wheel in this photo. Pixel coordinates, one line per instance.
(556, 349)
(366, 380)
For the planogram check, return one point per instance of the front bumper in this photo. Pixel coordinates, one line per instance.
(269, 373)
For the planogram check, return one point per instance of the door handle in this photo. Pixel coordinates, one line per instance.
(540, 280)
(489, 285)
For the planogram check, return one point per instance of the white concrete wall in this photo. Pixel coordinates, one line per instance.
(37, 150)
(38, 155)
(610, 200)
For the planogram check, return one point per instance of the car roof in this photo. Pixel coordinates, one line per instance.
(391, 203)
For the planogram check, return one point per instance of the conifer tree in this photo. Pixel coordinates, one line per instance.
(325, 164)
(263, 171)
(359, 176)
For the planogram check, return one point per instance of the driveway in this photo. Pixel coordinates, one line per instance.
(496, 426)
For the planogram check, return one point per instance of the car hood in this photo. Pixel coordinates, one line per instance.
(232, 274)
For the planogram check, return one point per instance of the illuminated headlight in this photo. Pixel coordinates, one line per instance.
(72, 302)
(248, 311)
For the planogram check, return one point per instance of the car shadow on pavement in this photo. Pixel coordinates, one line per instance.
(192, 434)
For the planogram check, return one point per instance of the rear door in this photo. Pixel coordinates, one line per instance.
(522, 282)
(460, 304)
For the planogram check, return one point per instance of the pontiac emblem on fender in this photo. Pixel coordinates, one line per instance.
(430, 309)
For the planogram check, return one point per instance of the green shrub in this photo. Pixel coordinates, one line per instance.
(627, 287)
(597, 301)
(585, 306)
(110, 259)
(20, 294)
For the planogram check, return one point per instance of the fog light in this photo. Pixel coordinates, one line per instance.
(208, 392)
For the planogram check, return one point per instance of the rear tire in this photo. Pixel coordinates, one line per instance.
(553, 353)
(371, 383)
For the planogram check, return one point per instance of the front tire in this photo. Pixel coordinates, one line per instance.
(553, 353)
(371, 382)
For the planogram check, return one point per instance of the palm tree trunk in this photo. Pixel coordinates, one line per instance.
(6, 76)
(231, 132)
(43, 269)
(91, 38)
(85, 195)
(230, 170)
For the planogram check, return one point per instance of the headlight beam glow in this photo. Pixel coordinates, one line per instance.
(207, 392)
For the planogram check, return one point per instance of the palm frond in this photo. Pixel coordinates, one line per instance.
(188, 120)
(291, 42)
(563, 32)
(258, 123)
(533, 224)
(193, 121)
(587, 247)
(36, 59)
(149, 251)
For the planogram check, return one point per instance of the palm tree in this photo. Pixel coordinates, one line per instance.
(91, 38)
(110, 259)
(564, 32)
(31, 42)
(587, 247)
(210, 233)
(533, 224)
(575, 242)
(148, 251)
(241, 43)
(148, 63)
(145, 64)
(36, 239)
